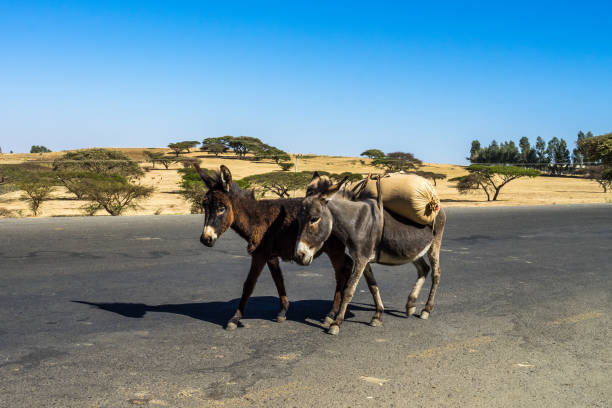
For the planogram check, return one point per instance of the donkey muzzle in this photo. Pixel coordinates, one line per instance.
(209, 236)
(303, 254)
(207, 240)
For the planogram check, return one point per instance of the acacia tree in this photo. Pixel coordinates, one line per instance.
(373, 154)
(242, 145)
(431, 175)
(216, 149)
(36, 181)
(113, 193)
(279, 183)
(179, 147)
(35, 191)
(397, 161)
(490, 179)
(73, 167)
(152, 156)
(210, 141)
(166, 161)
(98, 161)
(270, 152)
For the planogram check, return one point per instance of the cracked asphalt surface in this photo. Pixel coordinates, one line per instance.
(129, 311)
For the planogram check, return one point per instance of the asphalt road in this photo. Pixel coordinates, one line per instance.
(130, 311)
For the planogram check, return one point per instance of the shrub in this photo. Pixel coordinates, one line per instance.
(285, 165)
(192, 188)
(5, 212)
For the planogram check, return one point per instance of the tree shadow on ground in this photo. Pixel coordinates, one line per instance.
(259, 307)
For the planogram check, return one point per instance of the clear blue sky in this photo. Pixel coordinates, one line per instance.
(321, 77)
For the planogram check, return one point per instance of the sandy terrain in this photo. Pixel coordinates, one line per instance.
(166, 200)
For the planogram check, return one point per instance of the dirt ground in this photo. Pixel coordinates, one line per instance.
(166, 200)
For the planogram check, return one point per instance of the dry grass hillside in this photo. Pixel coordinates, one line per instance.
(166, 200)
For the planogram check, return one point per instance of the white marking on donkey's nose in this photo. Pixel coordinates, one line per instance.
(209, 233)
(304, 251)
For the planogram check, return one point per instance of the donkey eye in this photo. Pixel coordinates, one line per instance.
(220, 210)
(314, 220)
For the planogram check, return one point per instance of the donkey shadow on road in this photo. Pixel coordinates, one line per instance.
(259, 307)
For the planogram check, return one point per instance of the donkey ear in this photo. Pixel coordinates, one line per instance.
(333, 189)
(226, 178)
(338, 185)
(207, 179)
(315, 175)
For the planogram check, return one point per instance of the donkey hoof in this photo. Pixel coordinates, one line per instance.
(334, 329)
(231, 325)
(280, 319)
(424, 315)
(410, 311)
(327, 321)
(375, 322)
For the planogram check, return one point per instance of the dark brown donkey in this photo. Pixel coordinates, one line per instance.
(270, 228)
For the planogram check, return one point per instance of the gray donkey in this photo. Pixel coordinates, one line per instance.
(371, 234)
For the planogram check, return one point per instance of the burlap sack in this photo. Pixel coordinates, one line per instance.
(408, 195)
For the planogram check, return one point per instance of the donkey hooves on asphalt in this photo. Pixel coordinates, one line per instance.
(424, 315)
(375, 322)
(280, 318)
(334, 330)
(411, 310)
(327, 321)
(231, 326)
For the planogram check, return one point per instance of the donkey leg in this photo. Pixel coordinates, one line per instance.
(277, 275)
(343, 265)
(257, 264)
(348, 295)
(434, 260)
(373, 286)
(422, 270)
